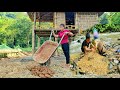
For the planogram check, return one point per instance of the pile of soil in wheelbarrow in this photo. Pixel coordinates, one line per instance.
(45, 51)
(42, 71)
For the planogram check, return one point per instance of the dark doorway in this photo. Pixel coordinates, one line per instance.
(70, 18)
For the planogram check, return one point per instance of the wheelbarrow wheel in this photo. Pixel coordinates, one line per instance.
(48, 62)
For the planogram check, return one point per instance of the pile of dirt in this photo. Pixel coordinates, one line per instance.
(93, 63)
(8, 69)
(42, 71)
(15, 69)
(74, 56)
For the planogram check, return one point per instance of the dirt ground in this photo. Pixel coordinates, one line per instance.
(19, 67)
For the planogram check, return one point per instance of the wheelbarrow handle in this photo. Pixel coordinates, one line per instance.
(50, 35)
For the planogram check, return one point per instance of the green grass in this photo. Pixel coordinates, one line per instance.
(4, 47)
(29, 49)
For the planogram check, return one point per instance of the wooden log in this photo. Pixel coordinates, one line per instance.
(43, 33)
(55, 19)
(39, 32)
(33, 34)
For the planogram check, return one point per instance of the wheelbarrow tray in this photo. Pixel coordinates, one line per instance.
(44, 52)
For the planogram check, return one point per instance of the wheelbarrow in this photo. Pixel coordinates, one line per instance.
(45, 52)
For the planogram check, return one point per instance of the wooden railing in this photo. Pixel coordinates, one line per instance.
(47, 32)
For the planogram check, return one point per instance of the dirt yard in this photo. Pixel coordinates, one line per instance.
(20, 67)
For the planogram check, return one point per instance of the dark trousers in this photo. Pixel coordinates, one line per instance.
(65, 48)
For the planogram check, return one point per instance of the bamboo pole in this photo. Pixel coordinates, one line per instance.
(39, 29)
(55, 23)
(33, 34)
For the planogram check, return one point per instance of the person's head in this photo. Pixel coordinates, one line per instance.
(62, 26)
(87, 37)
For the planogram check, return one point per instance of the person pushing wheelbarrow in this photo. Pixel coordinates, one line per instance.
(64, 42)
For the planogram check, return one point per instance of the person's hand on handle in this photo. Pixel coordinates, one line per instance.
(56, 36)
(52, 31)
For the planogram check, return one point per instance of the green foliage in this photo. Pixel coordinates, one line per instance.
(4, 47)
(43, 39)
(23, 30)
(116, 18)
(109, 22)
(27, 49)
(15, 29)
(10, 15)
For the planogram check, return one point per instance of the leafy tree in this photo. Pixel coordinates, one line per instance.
(15, 29)
(109, 21)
